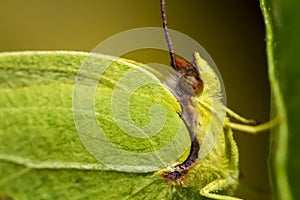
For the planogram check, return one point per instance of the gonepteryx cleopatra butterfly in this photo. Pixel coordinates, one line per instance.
(42, 156)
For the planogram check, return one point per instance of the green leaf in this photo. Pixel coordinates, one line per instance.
(283, 45)
(41, 154)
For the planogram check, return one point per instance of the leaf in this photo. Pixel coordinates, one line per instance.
(41, 154)
(283, 45)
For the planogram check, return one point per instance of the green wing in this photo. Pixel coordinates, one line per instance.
(41, 152)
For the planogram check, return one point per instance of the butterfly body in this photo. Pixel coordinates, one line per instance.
(216, 170)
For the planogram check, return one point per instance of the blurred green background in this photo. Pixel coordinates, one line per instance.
(232, 32)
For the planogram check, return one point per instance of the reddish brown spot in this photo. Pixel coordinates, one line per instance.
(182, 65)
(191, 82)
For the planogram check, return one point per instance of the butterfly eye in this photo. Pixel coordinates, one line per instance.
(190, 85)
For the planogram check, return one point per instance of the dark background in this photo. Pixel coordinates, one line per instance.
(231, 31)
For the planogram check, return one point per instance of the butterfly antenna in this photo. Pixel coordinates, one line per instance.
(167, 35)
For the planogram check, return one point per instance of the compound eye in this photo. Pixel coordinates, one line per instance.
(190, 85)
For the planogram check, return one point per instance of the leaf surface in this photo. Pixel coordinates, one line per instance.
(283, 44)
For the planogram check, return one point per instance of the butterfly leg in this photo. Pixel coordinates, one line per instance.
(253, 129)
(236, 116)
(215, 186)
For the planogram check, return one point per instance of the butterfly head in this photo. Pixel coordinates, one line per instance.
(190, 81)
